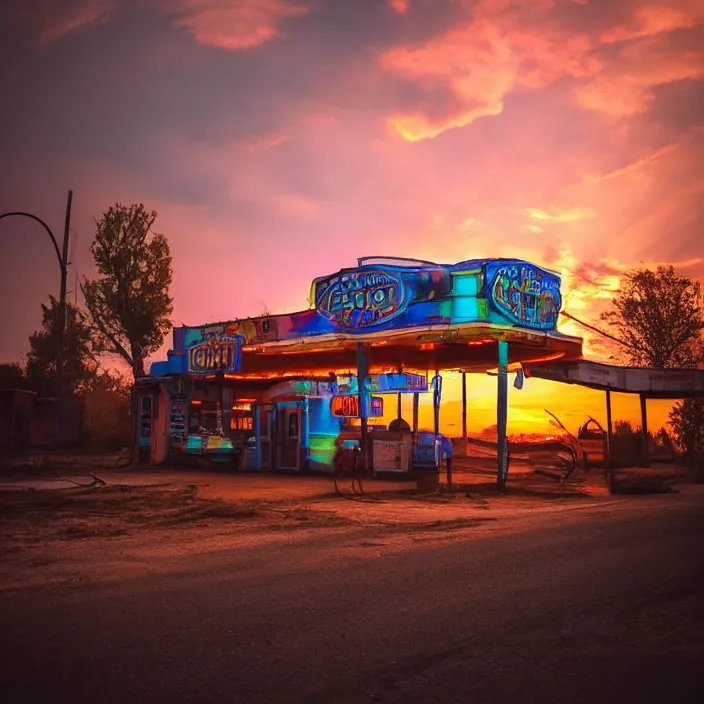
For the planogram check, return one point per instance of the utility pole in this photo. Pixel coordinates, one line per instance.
(62, 324)
(62, 296)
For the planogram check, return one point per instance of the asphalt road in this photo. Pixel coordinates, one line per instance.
(584, 606)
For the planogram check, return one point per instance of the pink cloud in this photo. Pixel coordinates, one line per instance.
(399, 6)
(63, 18)
(625, 85)
(234, 26)
(504, 47)
(498, 50)
(650, 20)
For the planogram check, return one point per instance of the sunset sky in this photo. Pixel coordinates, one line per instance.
(281, 139)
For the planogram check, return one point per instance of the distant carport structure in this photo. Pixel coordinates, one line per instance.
(673, 384)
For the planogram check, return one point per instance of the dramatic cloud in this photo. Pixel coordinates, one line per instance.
(650, 20)
(237, 25)
(505, 47)
(626, 86)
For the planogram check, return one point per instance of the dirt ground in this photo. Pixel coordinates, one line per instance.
(94, 522)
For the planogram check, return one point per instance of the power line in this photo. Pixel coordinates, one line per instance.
(594, 329)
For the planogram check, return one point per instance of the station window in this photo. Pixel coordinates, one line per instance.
(203, 417)
(242, 416)
(240, 422)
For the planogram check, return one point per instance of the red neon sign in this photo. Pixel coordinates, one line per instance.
(348, 406)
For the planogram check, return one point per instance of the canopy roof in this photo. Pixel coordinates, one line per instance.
(652, 383)
(410, 314)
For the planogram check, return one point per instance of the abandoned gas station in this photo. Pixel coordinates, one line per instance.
(290, 392)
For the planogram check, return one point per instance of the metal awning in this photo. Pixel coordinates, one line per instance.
(650, 383)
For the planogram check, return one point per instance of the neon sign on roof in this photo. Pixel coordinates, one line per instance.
(215, 353)
(526, 294)
(360, 298)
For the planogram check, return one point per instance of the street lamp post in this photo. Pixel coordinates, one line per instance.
(62, 257)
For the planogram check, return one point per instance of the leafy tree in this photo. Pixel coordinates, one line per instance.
(129, 301)
(79, 355)
(687, 421)
(663, 440)
(658, 319)
(110, 382)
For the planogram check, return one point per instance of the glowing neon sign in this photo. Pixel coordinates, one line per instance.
(360, 298)
(526, 294)
(348, 406)
(398, 383)
(215, 353)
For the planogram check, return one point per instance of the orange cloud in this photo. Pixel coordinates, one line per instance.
(399, 6)
(234, 26)
(505, 47)
(496, 52)
(626, 86)
(655, 19)
(63, 18)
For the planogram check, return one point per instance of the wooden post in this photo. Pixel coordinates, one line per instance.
(416, 402)
(464, 412)
(502, 414)
(609, 430)
(644, 426)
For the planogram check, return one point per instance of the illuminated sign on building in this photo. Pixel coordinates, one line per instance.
(360, 298)
(348, 406)
(398, 383)
(215, 353)
(526, 294)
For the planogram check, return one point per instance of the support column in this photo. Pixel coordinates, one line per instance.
(464, 412)
(609, 430)
(257, 459)
(416, 403)
(644, 426)
(398, 398)
(502, 414)
(437, 395)
(362, 372)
